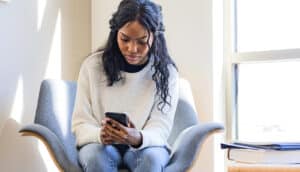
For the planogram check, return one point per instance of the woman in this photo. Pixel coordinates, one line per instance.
(134, 74)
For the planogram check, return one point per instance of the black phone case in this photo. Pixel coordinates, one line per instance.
(120, 117)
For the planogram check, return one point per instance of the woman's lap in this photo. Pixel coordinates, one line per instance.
(106, 158)
(151, 159)
(97, 157)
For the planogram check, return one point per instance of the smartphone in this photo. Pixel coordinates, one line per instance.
(117, 116)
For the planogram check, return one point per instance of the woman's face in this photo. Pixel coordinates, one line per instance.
(132, 41)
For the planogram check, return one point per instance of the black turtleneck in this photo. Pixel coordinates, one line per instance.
(133, 68)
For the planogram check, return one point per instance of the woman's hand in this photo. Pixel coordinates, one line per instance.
(114, 132)
(104, 136)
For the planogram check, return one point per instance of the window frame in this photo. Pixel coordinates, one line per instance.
(233, 58)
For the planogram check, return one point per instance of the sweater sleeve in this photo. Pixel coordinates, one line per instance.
(158, 127)
(84, 125)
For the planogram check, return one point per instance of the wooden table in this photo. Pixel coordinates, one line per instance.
(238, 167)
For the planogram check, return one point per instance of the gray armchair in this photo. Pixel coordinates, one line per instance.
(53, 126)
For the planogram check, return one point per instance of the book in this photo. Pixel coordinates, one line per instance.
(272, 145)
(262, 153)
(261, 145)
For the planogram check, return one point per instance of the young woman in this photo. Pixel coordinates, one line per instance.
(133, 73)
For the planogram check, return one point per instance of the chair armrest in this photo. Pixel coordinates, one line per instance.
(188, 144)
(53, 144)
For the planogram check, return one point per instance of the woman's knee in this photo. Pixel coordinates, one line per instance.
(94, 157)
(153, 158)
(88, 156)
(159, 155)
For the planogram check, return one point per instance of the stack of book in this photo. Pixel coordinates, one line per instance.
(263, 153)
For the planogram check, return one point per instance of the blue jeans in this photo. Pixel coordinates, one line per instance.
(108, 158)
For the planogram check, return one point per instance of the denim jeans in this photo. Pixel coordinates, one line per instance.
(108, 158)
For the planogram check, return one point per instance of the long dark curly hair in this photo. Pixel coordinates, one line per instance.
(149, 15)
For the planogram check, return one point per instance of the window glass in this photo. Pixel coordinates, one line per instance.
(268, 101)
(267, 25)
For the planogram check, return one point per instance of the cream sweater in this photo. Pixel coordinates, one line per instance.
(135, 95)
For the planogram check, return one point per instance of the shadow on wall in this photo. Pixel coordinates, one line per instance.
(27, 44)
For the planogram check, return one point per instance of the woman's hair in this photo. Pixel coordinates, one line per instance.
(149, 15)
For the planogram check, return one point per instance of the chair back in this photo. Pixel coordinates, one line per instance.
(185, 115)
(54, 111)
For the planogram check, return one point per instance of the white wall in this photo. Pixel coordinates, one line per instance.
(38, 39)
(189, 38)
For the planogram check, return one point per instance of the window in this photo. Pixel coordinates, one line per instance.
(262, 47)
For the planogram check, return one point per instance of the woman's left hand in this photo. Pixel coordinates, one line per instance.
(122, 134)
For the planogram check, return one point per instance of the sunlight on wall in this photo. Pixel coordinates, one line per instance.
(61, 104)
(17, 108)
(53, 69)
(41, 5)
(218, 83)
(50, 165)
